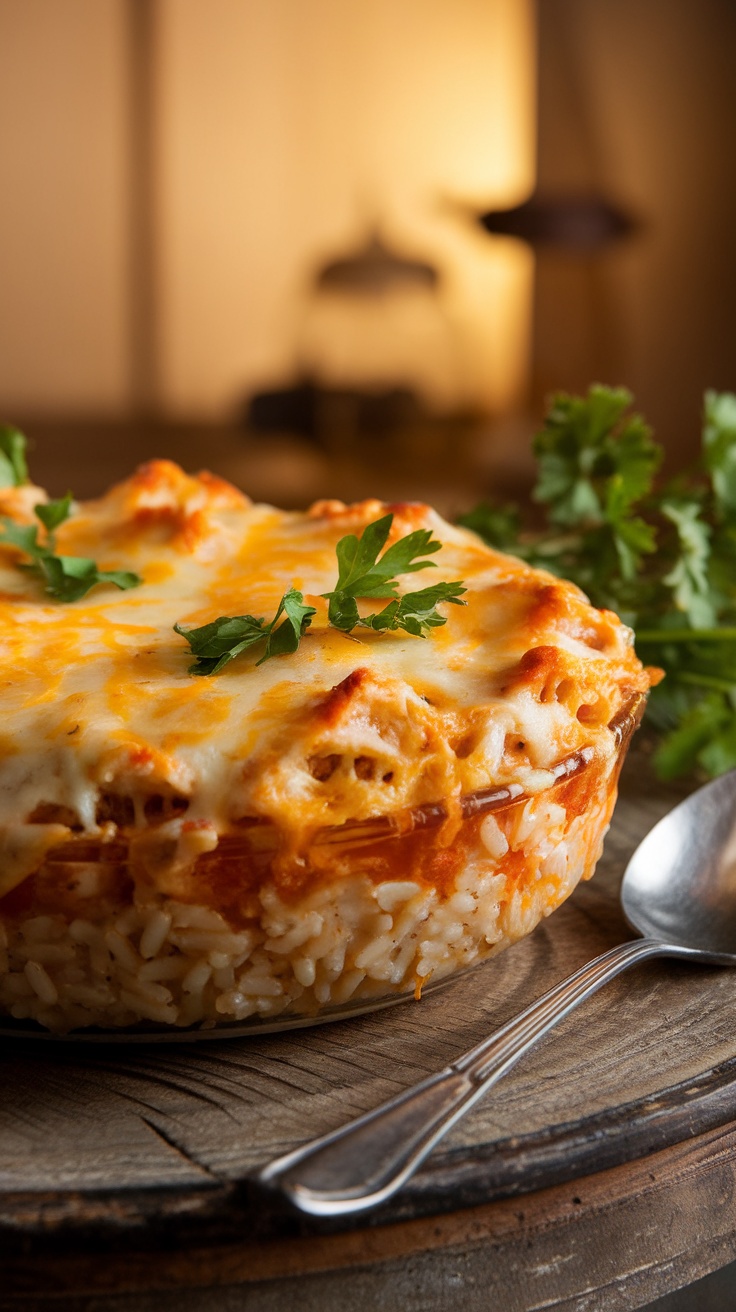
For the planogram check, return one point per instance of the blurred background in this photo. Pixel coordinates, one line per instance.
(330, 248)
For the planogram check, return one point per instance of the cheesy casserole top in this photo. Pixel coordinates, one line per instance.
(103, 729)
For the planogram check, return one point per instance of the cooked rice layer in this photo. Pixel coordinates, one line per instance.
(178, 964)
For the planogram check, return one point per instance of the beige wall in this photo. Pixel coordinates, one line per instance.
(64, 270)
(279, 131)
(286, 128)
(637, 98)
(164, 257)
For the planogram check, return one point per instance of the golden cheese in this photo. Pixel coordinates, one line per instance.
(103, 727)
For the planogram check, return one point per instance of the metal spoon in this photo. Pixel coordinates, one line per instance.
(678, 891)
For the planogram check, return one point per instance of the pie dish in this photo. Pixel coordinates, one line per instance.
(331, 828)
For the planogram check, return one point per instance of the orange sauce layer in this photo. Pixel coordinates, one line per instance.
(229, 878)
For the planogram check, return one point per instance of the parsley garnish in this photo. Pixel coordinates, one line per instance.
(362, 573)
(218, 643)
(13, 468)
(663, 557)
(67, 578)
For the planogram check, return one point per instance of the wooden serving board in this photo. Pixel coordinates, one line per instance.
(107, 1143)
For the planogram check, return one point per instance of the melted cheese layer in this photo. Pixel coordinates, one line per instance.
(104, 729)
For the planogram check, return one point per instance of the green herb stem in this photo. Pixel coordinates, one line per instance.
(663, 636)
(698, 680)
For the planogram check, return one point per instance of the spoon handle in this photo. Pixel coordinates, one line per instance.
(365, 1162)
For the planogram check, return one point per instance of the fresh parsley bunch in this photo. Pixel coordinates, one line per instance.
(363, 574)
(66, 578)
(662, 556)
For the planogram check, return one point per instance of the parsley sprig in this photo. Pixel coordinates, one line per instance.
(363, 573)
(13, 468)
(218, 643)
(66, 578)
(664, 557)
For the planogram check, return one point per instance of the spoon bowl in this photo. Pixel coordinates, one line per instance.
(680, 884)
(678, 892)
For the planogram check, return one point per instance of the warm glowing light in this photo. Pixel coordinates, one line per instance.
(281, 132)
(286, 130)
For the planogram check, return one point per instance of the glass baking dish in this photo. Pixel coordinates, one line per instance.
(264, 939)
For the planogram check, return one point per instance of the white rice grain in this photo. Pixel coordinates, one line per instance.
(345, 940)
(196, 977)
(41, 983)
(122, 950)
(392, 893)
(154, 934)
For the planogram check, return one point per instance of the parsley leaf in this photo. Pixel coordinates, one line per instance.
(13, 468)
(595, 463)
(499, 526)
(364, 573)
(688, 577)
(67, 578)
(218, 643)
(719, 448)
(53, 513)
(594, 460)
(415, 612)
(23, 536)
(705, 734)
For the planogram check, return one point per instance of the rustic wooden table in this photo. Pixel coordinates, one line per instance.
(599, 1175)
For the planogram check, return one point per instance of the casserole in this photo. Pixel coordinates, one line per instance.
(327, 829)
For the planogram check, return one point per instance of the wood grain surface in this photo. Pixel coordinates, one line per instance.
(109, 1138)
(608, 1242)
